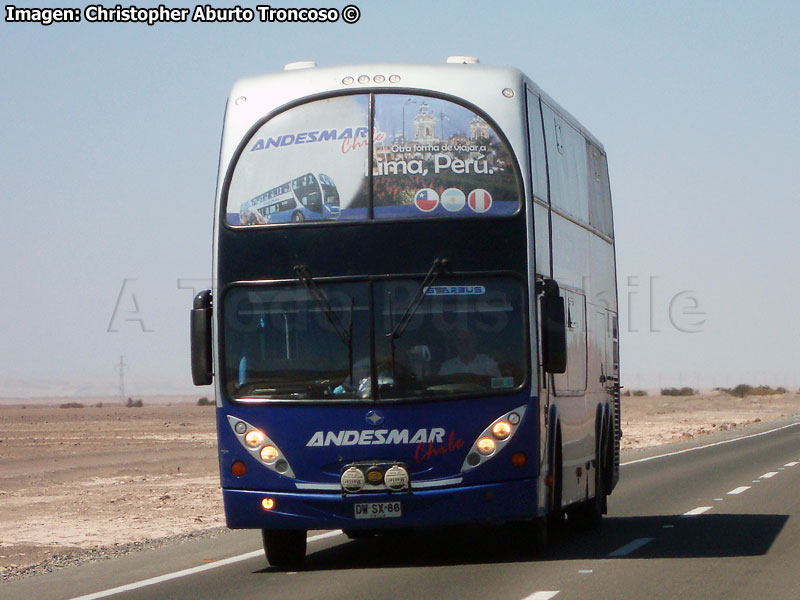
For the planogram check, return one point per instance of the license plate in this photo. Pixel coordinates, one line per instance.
(377, 510)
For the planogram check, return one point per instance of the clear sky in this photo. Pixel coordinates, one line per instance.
(110, 139)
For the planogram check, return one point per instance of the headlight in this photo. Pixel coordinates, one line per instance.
(494, 438)
(260, 447)
(501, 430)
(269, 454)
(254, 438)
(485, 446)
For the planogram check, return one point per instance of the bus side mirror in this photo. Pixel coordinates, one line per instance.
(200, 328)
(554, 329)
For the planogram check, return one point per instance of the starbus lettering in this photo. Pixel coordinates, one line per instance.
(347, 135)
(368, 437)
(428, 451)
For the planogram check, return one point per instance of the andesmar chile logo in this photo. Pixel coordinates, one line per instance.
(309, 137)
(371, 437)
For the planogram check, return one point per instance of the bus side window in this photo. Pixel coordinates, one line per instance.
(568, 168)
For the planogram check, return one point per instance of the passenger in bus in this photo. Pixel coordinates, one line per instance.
(468, 360)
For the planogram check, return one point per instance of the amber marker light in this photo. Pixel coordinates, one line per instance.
(238, 468)
(267, 503)
(518, 459)
(501, 430)
(485, 446)
(254, 438)
(269, 454)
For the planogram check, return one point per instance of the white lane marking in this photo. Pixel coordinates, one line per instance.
(191, 571)
(630, 547)
(585, 571)
(744, 437)
(768, 475)
(668, 526)
(697, 511)
(717, 499)
(541, 595)
(791, 464)
(739, 490)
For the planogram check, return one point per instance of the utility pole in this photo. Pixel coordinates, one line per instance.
(122, 366)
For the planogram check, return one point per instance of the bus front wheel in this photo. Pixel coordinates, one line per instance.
(298, 217)
(284, 548)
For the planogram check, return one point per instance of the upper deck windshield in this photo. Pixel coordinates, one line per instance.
(465, 338)
(431, 158)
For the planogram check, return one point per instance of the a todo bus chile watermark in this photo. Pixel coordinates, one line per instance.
(647, 307)
(201, 13)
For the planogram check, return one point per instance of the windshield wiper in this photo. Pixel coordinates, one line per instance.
(437, 268)
(344, 333)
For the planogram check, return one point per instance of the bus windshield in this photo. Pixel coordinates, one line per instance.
(466, 337)
(431, 158)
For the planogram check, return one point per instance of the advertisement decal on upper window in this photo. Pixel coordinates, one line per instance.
(439, 159)
(305, 164)
(431, 158)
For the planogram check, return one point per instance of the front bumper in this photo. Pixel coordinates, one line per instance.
(506, 501)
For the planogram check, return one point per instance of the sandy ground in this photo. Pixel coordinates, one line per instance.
(73, 479)
(82, 478)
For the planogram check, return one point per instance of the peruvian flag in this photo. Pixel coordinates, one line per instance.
(480, 200)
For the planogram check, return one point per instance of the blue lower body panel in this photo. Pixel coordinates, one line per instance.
(511, 500)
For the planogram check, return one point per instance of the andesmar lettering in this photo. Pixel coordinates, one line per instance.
(367, 437)
(308, 137)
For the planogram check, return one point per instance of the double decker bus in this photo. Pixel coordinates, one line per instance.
(309, 197)
(445, 350)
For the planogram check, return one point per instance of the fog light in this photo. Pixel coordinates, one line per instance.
(267, 503)
(485, 446)
(501, 430)
(254, 438)
(374, 475)
(353, 480)
(238, 468)
(396, 478)
(269, 454)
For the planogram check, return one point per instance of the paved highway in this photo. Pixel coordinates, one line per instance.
(719, 519)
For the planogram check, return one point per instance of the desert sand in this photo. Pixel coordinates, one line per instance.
(76, 479)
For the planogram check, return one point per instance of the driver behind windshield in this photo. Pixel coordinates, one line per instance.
(468, 360)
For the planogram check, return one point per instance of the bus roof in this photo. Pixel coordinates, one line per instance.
(274, 90)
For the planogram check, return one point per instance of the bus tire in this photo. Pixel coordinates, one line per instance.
(588, 515)
(298, 217)
(539, 538)
(555, 515)
(284, 548)
(360, 534)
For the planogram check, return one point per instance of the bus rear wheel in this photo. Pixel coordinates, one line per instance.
(284, 548)
(589, 514)
(298, 217)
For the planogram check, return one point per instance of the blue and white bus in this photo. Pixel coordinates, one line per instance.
(309, 197)
(443, 349)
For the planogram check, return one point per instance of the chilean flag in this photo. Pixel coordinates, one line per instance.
(480, 200)
(426, 199)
